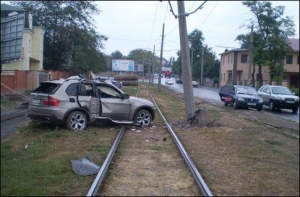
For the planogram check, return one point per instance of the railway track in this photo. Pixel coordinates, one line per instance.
(202, 186)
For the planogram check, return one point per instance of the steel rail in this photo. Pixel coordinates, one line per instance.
(99, 178)
(200, 181)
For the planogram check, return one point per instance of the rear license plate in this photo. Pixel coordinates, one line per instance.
(35, 101)
(252, 104)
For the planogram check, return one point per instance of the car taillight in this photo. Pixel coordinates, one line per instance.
(51, 101)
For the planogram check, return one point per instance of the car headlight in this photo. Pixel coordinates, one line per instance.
(240, 99)
(279, 98)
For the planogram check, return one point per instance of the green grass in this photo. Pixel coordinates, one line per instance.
(6, 103)
(130, 90)
(44, 167)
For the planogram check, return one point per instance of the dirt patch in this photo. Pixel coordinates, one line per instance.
(241, 155)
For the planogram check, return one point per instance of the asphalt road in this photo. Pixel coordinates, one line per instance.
(212, 96)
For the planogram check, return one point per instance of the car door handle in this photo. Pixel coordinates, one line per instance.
(72, 100)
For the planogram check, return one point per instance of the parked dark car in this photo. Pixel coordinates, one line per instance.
(178, 80)
(279, 97)
(241, 97)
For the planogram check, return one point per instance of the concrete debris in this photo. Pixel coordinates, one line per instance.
(84, 167)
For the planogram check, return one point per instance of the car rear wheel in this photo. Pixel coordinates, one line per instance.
(271, 106)
(226, 104)
(295, 110)
(143, 118)
(259, 108)
(76, 121)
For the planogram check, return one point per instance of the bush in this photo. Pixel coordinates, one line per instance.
(296, 90)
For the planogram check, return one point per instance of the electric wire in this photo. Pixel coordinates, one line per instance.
(209, 13)
(153, 24)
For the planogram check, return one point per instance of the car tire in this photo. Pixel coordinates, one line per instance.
(271, 106)
(226, 104)
(234, 105)
(143, 118)
(295, 110)
(76, 121)
(259, 108)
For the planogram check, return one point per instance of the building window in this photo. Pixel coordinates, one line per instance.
(244, 58)
(228, 58)
(231, 58)
(289, 59)
(298, 60)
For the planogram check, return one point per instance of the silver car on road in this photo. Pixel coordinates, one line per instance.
(75, 102)
(279, 97)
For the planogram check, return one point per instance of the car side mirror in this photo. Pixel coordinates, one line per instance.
(126, 96)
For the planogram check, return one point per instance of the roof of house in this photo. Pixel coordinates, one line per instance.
(294, 43)
(233, 50)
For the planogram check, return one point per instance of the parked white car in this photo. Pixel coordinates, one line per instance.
(169, 82)
(195, 84)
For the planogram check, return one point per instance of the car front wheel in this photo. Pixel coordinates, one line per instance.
(76, 121)
(295, 110)
(143, 118)
(271, 106)
(234, 105)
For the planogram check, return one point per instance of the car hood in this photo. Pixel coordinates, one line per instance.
(286, 96)
(248, 96)
(140, 101)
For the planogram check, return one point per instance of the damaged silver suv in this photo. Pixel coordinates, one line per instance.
(76, 101)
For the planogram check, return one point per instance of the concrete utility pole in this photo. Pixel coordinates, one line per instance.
(185, 63)
(161, 54)
(202, 58)
(250, 58)
(153, 62)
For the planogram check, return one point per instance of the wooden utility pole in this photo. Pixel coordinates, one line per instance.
(161, 54)
(185, 63)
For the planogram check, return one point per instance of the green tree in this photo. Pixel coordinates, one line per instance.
(117, 55)
(69, 36)
(141, 56)
(211, 65)
(177, 65)
(274, 29)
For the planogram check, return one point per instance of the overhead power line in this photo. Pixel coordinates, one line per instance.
(185, 14)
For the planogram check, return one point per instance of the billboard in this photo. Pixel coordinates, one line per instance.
(122, 65)
(11, 37)
(139, 67)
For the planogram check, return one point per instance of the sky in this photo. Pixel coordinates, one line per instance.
(131, 25)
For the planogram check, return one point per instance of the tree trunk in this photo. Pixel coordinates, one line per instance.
(252, 75)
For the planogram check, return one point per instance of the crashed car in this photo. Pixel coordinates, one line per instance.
(76, 101)
(108, 80)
